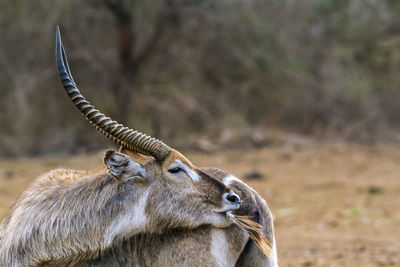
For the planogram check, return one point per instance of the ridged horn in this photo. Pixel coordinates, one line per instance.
(128, 138)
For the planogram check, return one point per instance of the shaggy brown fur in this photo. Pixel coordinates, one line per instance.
(197, 247)
(76, 218)
(72, 216)
(202, 246)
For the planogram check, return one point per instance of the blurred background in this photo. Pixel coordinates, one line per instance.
(298, 98)
(201, 74)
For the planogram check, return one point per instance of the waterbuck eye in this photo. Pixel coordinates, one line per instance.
(175, 170)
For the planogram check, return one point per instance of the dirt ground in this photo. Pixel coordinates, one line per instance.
(334, 204)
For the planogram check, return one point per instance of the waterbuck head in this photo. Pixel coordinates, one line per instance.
(175, 192)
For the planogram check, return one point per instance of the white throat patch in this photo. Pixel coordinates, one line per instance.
(220, 249)
(133, 221)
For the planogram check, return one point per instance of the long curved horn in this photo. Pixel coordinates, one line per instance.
(128, 138)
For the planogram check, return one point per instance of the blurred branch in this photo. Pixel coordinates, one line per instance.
(131, 58)
(95, 63)
(167, 17)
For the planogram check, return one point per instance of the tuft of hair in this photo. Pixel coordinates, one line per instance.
(253, 229)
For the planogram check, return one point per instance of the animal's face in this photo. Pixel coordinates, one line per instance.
(178, 194)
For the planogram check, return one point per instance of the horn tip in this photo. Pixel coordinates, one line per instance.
(58, 32)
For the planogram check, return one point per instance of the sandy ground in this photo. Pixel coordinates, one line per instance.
(334, 205)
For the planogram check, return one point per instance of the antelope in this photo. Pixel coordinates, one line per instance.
(206, 245)
(128, 213)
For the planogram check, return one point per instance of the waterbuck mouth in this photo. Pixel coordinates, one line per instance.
(227, 209)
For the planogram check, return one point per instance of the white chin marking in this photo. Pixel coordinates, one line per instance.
(228, 208)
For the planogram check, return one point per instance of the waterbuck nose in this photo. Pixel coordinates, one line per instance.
(233, 198)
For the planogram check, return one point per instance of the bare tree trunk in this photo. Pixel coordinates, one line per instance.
(122, 87)
(131, 59)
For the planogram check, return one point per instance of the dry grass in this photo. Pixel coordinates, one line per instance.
(253, 229)
(335, 205)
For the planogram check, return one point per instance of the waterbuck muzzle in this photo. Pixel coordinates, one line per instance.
(124, 136)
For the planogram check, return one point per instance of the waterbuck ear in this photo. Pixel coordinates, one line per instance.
(123, 167)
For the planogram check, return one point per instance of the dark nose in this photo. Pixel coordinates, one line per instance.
(232, 197)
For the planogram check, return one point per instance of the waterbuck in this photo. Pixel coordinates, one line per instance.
(149, 206)
(205, 245)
